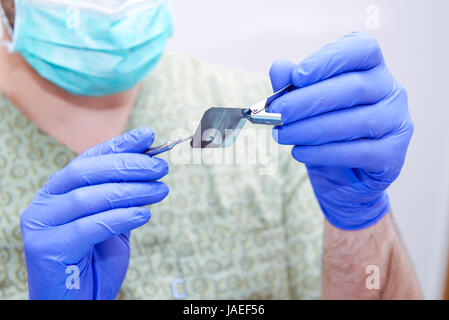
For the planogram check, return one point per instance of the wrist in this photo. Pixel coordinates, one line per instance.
(380, 237)
(349, 255)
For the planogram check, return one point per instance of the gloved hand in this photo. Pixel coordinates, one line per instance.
(81, 219)
(350, 125)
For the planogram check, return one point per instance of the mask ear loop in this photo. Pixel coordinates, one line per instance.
(6, 43)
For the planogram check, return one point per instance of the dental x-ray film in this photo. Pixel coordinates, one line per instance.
(219, 128)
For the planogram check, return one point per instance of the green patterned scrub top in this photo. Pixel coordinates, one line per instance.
(244, 226)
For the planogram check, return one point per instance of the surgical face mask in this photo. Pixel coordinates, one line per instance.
(91, 47)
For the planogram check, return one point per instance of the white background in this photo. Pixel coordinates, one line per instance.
(251, 34)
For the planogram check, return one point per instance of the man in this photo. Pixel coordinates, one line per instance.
(226, 231)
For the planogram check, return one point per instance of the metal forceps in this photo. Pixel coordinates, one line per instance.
(258, 114)
(221, 120)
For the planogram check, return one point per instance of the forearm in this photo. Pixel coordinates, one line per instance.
(349, 255)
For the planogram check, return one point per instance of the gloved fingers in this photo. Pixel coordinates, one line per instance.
(116, 250)
(343, 91)
(134, 141)
(86, 232)
(356, 51)
(99, 198)
(106, 168)
(370, 155)
(362, 122)
(280, 74)
(126, 236)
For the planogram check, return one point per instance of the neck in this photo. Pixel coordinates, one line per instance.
(79, 122)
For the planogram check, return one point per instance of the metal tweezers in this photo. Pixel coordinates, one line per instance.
(165, 147)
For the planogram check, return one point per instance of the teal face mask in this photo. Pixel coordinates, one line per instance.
(91, 47)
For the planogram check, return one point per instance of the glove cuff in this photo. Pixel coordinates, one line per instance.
(357, 217)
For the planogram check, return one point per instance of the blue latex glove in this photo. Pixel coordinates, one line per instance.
(350, 125)
(82, 218)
